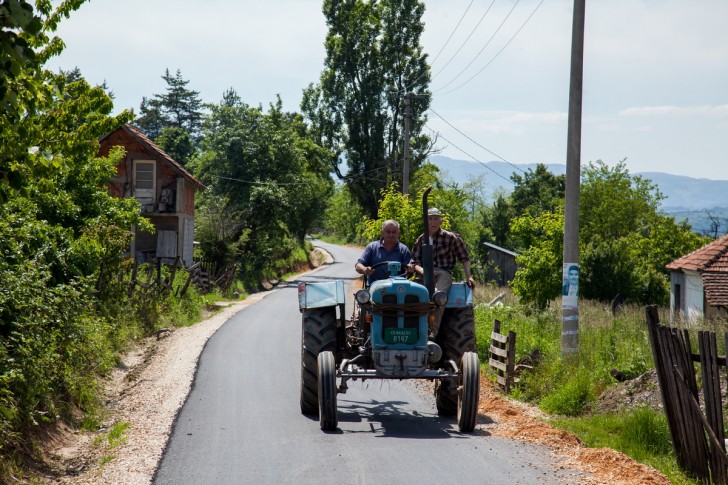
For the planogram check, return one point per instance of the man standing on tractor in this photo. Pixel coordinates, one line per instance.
(388, 248)
(447, 248)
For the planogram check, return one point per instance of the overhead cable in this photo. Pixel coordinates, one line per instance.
(465, 41)
(414, 83)
(484, 47)
(453, 32)
(469, 155)
(481, 146)
(498, 53)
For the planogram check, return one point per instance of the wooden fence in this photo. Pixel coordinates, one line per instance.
(698, 438)
(502, 356)
(202, 274)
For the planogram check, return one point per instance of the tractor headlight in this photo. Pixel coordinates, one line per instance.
(362, 296)
(439, 298)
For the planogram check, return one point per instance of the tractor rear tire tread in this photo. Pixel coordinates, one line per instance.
(456, 337)
(318, 334)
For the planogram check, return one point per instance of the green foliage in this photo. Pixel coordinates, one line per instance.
(178, 108)
(343, 217)
(625, 242)
(537, 191)
(64, 311)
(567, 385)
(563, 385)
(177, 143)
(395, 205)
(268, 184)
(538, 279)
(372, 52)
(496, 222)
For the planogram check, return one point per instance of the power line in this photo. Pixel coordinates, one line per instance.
(465, 41)
(274, 183)
(256, 182)
(404, 90)
(466, 153)
(481, 146)
(499, 52)
(485, 46)
(453, 32)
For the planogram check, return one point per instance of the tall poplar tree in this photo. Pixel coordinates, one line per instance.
(373, 58)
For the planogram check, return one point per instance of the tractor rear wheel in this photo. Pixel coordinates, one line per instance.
(318, 334)
(327, 391)
(456, 337)
(468, 392)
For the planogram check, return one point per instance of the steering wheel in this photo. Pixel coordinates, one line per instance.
(382, 263)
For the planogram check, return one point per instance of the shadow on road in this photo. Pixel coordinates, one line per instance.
(395, 419)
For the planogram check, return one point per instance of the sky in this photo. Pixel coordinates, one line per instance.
(655, 71)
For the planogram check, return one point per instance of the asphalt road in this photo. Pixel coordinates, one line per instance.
(242, 423)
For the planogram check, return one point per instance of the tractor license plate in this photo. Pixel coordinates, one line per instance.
(400, 336)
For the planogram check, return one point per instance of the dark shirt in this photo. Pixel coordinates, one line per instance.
(447, 248)
(375, 253)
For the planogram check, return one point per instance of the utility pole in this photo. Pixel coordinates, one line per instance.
(570, 270)
(406, 150)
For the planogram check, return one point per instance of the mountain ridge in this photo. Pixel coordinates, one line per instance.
(701, 201)
(681, 192)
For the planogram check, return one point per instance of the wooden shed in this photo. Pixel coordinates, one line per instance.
(699, 282)
(165, 191)
(500, 263)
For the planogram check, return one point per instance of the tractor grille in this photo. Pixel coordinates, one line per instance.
(409, 333)
(389, 320)
(411, 320)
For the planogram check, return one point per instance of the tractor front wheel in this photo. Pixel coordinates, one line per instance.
(327, 391)
(468, 392)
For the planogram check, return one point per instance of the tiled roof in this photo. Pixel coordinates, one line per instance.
(152, 147)
(712, 257)
(715, 285)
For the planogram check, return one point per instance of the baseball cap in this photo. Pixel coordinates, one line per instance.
(434, 212)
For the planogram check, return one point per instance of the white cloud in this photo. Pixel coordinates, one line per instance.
(705, 110)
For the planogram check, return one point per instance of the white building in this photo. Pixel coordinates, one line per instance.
(699, 282)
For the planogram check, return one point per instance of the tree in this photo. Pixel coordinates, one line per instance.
(537, 191)
(497, 219)
(625, 240)
(151, 119)
(270, 175)
(373, 58)
(179, 108)
(538, 278)
(177, 143)
(62, 235)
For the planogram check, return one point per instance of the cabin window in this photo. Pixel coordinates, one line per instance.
(145, 180)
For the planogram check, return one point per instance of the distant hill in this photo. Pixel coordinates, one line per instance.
(686, 197)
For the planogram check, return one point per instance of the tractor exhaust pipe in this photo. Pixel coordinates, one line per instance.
(427, 265)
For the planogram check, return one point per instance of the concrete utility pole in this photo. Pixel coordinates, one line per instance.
(569, 298)
(406, 162)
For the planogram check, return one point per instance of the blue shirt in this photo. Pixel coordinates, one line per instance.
(375, 253)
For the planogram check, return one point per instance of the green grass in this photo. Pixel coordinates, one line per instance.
(565, 387)
(110, 440)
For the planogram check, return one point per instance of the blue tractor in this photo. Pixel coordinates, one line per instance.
(387, 338)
